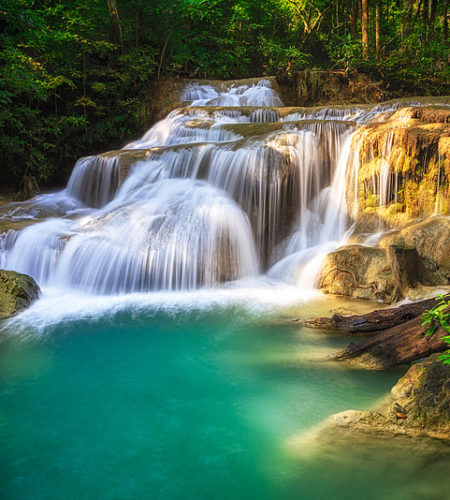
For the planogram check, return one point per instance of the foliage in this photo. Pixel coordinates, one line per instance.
(439, 315)
(72, 72)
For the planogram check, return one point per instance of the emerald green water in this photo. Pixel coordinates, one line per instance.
(174, 404)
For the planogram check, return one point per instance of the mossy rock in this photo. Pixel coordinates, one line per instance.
(423, 395)
(413, 144)
(420, 408)
(17, 292)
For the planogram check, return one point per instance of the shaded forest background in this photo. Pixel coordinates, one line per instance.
(72, 73)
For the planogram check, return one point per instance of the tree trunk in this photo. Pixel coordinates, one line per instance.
(138, 6)
(407, 13)
(425, 15)
(163, 52)
(365, 28)
(433, 11)
(354, 10)
(115, 23)
(377, 28)
(399, 345)
(445, 22)
(374, 321)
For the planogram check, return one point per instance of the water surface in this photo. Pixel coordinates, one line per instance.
(155, 402)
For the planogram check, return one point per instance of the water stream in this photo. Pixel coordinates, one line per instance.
(154, 365)
(231, 186)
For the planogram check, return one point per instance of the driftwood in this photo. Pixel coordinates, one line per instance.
(377, 320)
(399, 345)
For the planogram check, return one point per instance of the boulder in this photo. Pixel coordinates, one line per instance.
(357, 271)
(431, 238)
(400, 265)
(17, 291)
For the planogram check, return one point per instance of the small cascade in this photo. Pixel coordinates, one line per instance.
(95, 180)
(264, 115)
(260, 94)
(228, 187)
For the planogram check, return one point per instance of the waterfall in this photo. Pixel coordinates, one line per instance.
(231, 186)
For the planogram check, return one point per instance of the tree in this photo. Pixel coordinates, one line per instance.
(377, 28)
(365, 28)
(115, 23)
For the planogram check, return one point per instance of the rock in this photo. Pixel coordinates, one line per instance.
(431, 238)
(423, 394)
(409, 154)
(407, 269)
(420, 409)
(315, 86)
(357, 271)
(17, 291)
(404, 261)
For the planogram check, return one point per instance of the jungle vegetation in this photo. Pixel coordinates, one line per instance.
(73, 72)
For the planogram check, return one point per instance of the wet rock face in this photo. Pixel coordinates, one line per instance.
(404, 164)
(432, 239)
(17, 291)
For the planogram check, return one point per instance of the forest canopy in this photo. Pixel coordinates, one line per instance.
(73, 72)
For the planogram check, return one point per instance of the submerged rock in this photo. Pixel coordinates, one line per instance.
(420, 407)
(17, 292)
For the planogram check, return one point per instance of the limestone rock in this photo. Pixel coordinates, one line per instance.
(17, 291)
(367, 272)
(357, 271)
(431, 238)
(410, 150)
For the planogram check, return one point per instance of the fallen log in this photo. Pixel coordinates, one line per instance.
(379, 319)
(399, 345)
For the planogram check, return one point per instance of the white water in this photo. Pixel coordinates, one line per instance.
(207, 200)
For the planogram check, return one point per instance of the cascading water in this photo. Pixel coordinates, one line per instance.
(231, 186)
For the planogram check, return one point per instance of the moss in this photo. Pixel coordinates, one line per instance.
(415, 141)
(17, 291)
(424, 392)
(259, 129)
